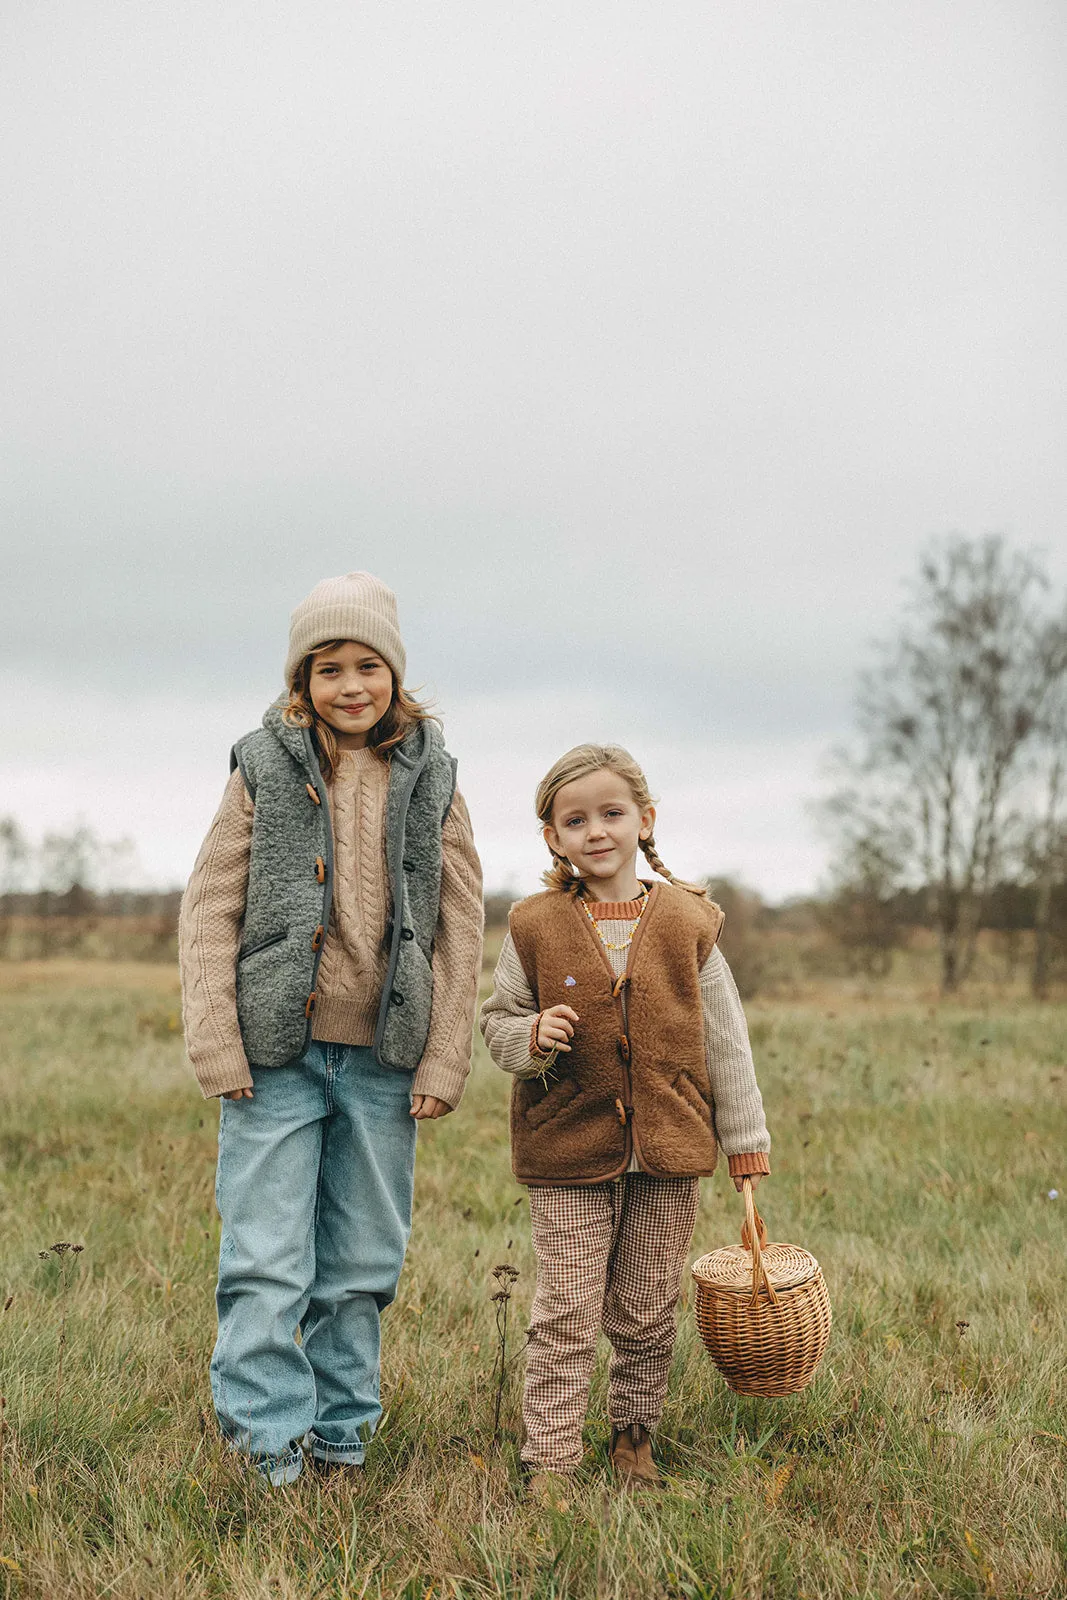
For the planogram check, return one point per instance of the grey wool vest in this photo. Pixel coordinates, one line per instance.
(290, 890)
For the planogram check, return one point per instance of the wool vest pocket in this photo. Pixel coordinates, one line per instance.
(551, 1104)
(272, 999)
(684, 1087)
(264, 944)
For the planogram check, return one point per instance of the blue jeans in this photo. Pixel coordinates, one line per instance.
(314, 1188)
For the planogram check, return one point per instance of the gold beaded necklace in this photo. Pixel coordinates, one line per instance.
(633, 926)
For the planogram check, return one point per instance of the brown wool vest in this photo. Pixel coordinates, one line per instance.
(636, 1077)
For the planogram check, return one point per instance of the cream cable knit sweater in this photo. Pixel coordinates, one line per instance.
(354, 961)
(740, 1127)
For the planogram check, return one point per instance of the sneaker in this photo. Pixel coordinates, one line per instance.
(280, 1471)
(631, 1457)
(332, 1457)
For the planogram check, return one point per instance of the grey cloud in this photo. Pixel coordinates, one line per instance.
(636, 346)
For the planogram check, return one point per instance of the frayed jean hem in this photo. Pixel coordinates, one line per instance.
(335, 1455)
(279, 1471)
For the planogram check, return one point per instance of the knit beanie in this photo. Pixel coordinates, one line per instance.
(356, 606)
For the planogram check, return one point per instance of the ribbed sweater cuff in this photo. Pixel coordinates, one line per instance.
(444, 1077)
(749, 1163)
(536, 1053)
(219, 1071)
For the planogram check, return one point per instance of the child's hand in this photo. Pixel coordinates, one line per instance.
(428, 1105)
(238, 1094)
(754, 1179)
(555, 1028)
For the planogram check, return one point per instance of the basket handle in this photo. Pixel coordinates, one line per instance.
(754, 1238)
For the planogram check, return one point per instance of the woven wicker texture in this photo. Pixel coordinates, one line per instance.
(763, 1311)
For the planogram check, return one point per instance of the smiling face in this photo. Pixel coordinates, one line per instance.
(351, 689)
(598, 825)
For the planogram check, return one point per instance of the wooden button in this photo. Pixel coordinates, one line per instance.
(317, 937)
(624, 1047)
(320, 869)
(310, 787)
(621, 1112)
(309, 1008)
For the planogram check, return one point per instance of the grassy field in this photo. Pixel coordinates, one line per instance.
(915, 1148)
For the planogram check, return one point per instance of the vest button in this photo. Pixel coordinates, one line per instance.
(320, 870)
(406, 933)
(624, 1047)
(311, 791)
(309, 1008)
(317, 937)
(397, 998)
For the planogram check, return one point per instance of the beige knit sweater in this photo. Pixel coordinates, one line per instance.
(354, 959)
(508, 1016)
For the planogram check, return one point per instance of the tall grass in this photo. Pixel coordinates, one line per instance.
(915, 1148)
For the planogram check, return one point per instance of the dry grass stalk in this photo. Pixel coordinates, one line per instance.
(504, 1277)
(66, 1253)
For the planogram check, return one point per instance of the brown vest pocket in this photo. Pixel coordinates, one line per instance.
(560, 1095)
(686, 1090)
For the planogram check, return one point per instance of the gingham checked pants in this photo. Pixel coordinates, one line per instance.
(609, 1256)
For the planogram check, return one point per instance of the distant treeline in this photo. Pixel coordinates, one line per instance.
(1010, 905)
(77, 901)
(780, 949)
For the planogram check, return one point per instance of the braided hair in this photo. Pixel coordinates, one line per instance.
(581, 762)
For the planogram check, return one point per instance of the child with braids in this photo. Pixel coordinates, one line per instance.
(617, 1016)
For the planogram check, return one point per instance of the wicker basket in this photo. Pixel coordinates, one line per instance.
(762, 1310)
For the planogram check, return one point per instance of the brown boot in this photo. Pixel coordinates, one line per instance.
(631, 1456)
(548, 1490)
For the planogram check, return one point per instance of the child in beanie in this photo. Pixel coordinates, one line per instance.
(330, 945)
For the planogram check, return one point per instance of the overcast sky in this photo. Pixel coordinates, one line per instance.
(640, 347)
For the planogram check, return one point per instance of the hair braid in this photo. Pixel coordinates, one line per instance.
(652, 856)
(561, 875)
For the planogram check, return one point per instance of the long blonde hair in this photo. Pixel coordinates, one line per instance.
(582, 762)
(403, 713)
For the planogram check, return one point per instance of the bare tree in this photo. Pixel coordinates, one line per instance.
(742, 945)
(14, 857)
(14, 862)
(78, 865)
(1046, 850)
(944, 721)
(70, 869)
(863, 911)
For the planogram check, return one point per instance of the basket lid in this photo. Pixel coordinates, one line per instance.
(730, 1270)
